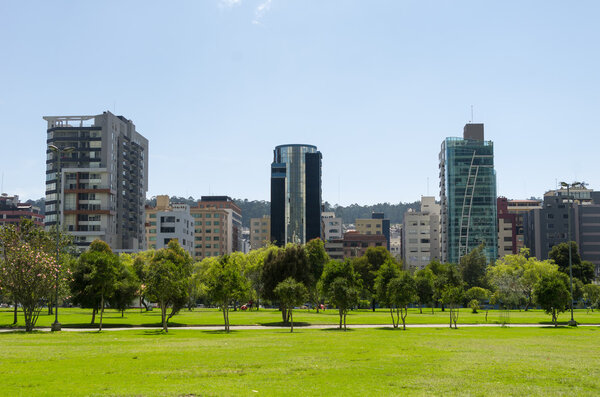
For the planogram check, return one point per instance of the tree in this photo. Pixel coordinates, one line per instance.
(387, 272)
(27, 270)
(367, 267)
(473, 268)
(506, 280)
(552, 294)
(340, 284)
(103, 268)
(317, 258)
(451, 297)
(476, 295)
(225, 284)
(424, 283)
(446, 275)
(583, 270)
(291, 293)
(166, 279)
(401, 291)
(127, 285)
(591, 296)
(280, 264)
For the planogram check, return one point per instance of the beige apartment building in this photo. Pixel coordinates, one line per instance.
(369, 226)
(421, 234)
(260, 232)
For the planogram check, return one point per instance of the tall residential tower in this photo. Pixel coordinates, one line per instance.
(468, 195)
(103, 181)
(295, 194)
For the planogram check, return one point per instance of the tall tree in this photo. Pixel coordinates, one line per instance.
(291, 293)
(127, 285)
(367, 267)
(424, 283)
(552, 294)
(317, 258)
(103, 273)
(341, 284)
(280, 264)
(225, 284)
(27, 270)
(401, 292)
(387, 272)
(167, 277)
(583, 270)
(451, 297)
(473, 268)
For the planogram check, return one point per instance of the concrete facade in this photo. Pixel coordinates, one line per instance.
(332, 226)
(103, 181)
(421, 235)
(260, 232)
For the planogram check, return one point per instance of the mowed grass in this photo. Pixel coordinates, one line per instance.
(434, 361)
(76, 317)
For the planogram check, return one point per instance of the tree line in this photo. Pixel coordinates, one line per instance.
(286, 277)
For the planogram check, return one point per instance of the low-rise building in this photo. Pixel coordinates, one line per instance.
(332, 226)
(421, 235)
(167, 222)
(356, 243)
(12, 211)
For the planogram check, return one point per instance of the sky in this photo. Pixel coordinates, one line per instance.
(215, 85)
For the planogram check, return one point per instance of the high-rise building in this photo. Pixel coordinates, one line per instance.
(295, 194)
(468, 195)
(421, 234)
(103, 181)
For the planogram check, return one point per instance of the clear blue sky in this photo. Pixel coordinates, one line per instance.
(376, 85)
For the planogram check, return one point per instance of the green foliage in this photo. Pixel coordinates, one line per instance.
(317, 258)
(583, 270)
(552, 294)
(473, 268)
(477, 293)
(388, 271)
(28, 269)
(127, 285)
(591, 296)
(340, 285)
(96, 275)
(401, 291)
(291, 293)
(474, 305)
(166, 279)
(368, 266)
(451, 297)
(282, 263)
(225, 284)
(424, 284)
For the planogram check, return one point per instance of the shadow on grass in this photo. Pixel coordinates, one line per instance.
(282, 324)
(337, 329)
(390, 328)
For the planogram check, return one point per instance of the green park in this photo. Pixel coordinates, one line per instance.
(291, 321)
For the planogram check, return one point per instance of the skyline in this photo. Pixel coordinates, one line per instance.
(216, 86)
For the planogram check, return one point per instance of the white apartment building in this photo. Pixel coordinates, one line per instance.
(421, 234)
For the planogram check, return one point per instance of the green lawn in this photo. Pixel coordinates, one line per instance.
(75, 317)
(433, 361)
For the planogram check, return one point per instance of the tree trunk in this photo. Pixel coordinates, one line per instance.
(15, 313)
(450, 318)
(283, 314)
(403, 314)
(393, 320)
(225, 319)
(420, 308)
(101, 311)
(163, 313)
(291, 320)
(344, 321)
(122, 313)
(341, 315)
(373, 304)
(94, 315)
(554, 319)
(50, 311)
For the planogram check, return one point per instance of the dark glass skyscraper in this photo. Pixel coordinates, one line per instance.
(468, 195)
(295, 194)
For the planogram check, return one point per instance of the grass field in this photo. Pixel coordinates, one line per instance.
(474, 361)
(75, 317)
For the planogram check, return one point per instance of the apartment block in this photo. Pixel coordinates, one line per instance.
(212, 233)
(260, 232)
(166, 222)
(233, 220)
(355, 243)
(332, 226)
(376, 225)
(421, 234)
(102, 182)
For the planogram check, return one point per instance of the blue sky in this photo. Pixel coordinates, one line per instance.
(376, 85)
